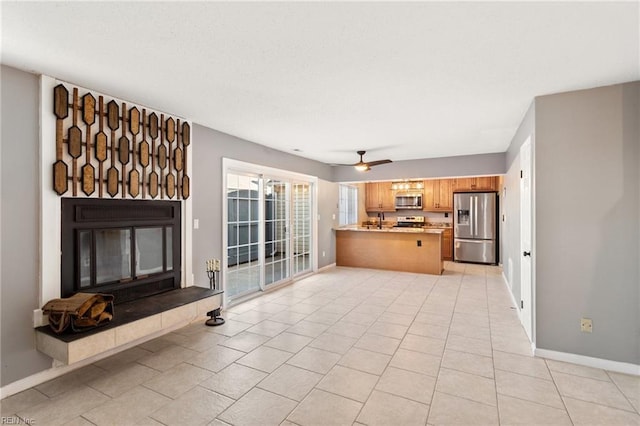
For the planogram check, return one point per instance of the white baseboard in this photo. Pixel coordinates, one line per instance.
(587, 361)
(58, 369)
(513, 299)
(324, 268)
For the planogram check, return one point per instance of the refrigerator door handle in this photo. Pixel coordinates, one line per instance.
(462, 240)
(471, 216)
(475, 216)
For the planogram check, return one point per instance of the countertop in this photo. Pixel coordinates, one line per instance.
(372, 228)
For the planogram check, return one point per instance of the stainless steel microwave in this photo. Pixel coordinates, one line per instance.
(408, 200)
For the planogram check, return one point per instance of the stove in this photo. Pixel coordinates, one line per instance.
(409, 222)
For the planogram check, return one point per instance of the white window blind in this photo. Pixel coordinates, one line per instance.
(348, 205)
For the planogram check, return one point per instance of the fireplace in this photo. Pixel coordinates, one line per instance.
(127, 248)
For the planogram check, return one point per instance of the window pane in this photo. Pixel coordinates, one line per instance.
(254, 233)
(169, 249)
(232, 210)
(254, 210)
(85, 259)
(232, 256)
(113, 255)
(245, 182)
(243, 210)
(232, 234)
(243, 237)
(148, 251)
(232, 181)
(348, 205)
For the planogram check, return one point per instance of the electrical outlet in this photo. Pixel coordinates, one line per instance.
(586, 325)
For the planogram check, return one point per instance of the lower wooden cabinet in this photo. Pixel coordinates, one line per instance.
(447, 244)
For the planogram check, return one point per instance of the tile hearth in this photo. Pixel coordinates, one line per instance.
(347, 346)
(137, 319)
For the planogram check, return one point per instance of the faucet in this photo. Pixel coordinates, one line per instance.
(380, 219)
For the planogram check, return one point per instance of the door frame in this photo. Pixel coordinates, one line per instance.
(528, 322)
(235, 166)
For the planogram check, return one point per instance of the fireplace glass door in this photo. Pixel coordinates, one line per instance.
(127, 248)
(108, 254)
(113, 255)
(149, 250)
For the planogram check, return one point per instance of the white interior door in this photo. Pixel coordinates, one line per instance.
(526, 304)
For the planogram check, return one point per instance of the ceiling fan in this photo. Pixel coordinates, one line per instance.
(365, 166)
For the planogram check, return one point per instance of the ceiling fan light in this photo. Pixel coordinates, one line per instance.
(362, 167)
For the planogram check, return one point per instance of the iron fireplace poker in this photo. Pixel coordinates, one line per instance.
(213, 266)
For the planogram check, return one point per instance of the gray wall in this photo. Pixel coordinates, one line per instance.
(19, 226)
(587, 158)
(464, 165)
(19, 177)
(510, 204)
(209, 147)
(328, 199)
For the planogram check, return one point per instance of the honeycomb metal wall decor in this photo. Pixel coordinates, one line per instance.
(117, 150)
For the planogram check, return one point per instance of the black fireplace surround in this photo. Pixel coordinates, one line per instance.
(127, 248)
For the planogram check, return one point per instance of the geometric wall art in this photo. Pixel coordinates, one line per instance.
(117, 150)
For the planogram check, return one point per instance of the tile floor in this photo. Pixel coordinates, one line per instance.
(346, 346)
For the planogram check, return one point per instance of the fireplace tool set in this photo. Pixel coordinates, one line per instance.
(213, 267)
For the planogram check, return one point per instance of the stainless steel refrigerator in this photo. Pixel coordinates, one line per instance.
(474, 227)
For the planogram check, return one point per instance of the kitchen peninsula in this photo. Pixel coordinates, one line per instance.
(395, 249)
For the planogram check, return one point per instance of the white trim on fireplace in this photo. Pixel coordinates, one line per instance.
(50, 204)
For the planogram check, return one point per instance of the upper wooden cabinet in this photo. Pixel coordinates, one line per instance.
(438, 195)
(379, 197)
(486, 183)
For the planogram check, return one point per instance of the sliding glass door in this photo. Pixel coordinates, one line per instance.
(276, 235)
(302, 229)
(269, 231)
(243, 235)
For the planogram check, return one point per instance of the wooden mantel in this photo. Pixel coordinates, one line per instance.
(416, 251)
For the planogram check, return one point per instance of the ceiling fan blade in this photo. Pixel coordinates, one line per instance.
(346, 165)
(377, 163)
(363, 163)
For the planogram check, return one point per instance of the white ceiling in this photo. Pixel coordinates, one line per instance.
(401, 80)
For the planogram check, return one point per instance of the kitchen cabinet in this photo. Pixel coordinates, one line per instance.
(379, 197)
(447, 244)
(393, 250)
(484, 183)
(438, 195)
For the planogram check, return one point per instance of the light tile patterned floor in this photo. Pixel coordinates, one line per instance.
(346, 346)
